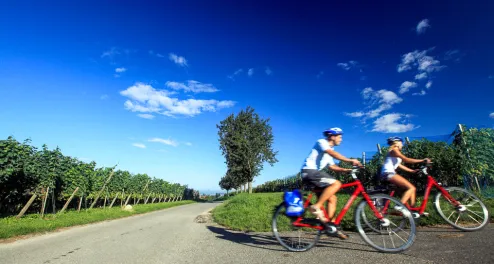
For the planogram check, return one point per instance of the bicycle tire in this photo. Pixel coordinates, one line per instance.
(412, 235)
(440, 212)
(274, 228)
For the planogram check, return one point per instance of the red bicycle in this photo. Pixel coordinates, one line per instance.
(467, 208)
(306, 224)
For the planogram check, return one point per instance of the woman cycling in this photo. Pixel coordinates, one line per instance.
(392, 162)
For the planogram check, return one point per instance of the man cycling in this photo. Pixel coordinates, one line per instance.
(321, 156)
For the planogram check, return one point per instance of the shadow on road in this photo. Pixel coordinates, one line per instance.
(438, 229)
(254, 240)
(267, 241)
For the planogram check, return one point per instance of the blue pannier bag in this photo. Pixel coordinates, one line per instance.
(294, 203)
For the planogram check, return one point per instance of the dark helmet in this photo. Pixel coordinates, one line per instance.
(392, 140)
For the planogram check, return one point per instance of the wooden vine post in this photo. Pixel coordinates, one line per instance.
(28, 204)
(68, 201)
(45, 198)
(103, 188)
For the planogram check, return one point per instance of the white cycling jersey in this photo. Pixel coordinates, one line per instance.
(318, 158)
(390, 164)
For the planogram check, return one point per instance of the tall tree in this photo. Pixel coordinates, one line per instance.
(246, 142)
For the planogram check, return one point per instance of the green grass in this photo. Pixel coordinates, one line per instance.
(29, 224)
(254, 212)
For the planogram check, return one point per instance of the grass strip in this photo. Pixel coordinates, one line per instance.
(30, 224)
(254, 212)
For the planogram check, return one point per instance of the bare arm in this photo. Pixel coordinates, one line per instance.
(339, 169)
(397, 153)
(338, 156)
(406, 168)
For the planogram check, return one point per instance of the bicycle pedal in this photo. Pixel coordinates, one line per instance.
(415, 215)
(426, 214)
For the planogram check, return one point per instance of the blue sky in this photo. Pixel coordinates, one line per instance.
(144, 84)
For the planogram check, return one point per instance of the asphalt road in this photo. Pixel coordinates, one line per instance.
(174, 236)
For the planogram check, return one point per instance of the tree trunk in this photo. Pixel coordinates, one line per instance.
(250, 187)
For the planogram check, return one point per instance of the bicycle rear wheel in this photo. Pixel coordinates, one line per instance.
(396, 231)
(302, 239)
(471, 209)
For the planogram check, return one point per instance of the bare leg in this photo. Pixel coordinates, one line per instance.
(332, 201)
(404, 183)
(325, 195)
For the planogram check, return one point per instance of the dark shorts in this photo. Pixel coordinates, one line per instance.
(316, 179)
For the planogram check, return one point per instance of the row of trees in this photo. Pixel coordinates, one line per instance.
(246, 143)
(35, 175)
(468, 160)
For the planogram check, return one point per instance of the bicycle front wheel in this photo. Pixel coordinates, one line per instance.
(396, 231)
(471, 215)
(293, 238)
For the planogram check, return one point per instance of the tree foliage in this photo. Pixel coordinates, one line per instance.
(246, 143)
(25, 170)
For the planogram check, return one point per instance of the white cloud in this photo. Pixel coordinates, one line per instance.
(384, 100)
(421, 76)
(250, 72)
(454, 55)
(491, 115)
(103, 97)
(179, 60)
(421, 93)
(119, 70)
(422, 26)
(144, 98)
(428, 84)
(406, 85)
(355, 114)
(387, 97)
(390, 124)
(110, 53)
(146, 116)
(237, 72)
(348, 65)
(192, 86)
(188, 143)
(268, 71)
(156, 54)
(139, 145)
(420, 60)
(164, 141)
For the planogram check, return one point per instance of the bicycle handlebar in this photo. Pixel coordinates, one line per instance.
(354, 171)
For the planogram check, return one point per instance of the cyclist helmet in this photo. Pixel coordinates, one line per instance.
(332, 132)
(391, 140)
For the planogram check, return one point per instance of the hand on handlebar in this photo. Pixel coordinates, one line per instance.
(427, 161)
(355, 162)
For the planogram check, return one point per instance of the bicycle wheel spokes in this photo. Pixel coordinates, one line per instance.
(291, 237)
(471, 215)
(373, 223)
(394, 233)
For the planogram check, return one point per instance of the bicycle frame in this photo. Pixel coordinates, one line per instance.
(360, 190)
(431, 182)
